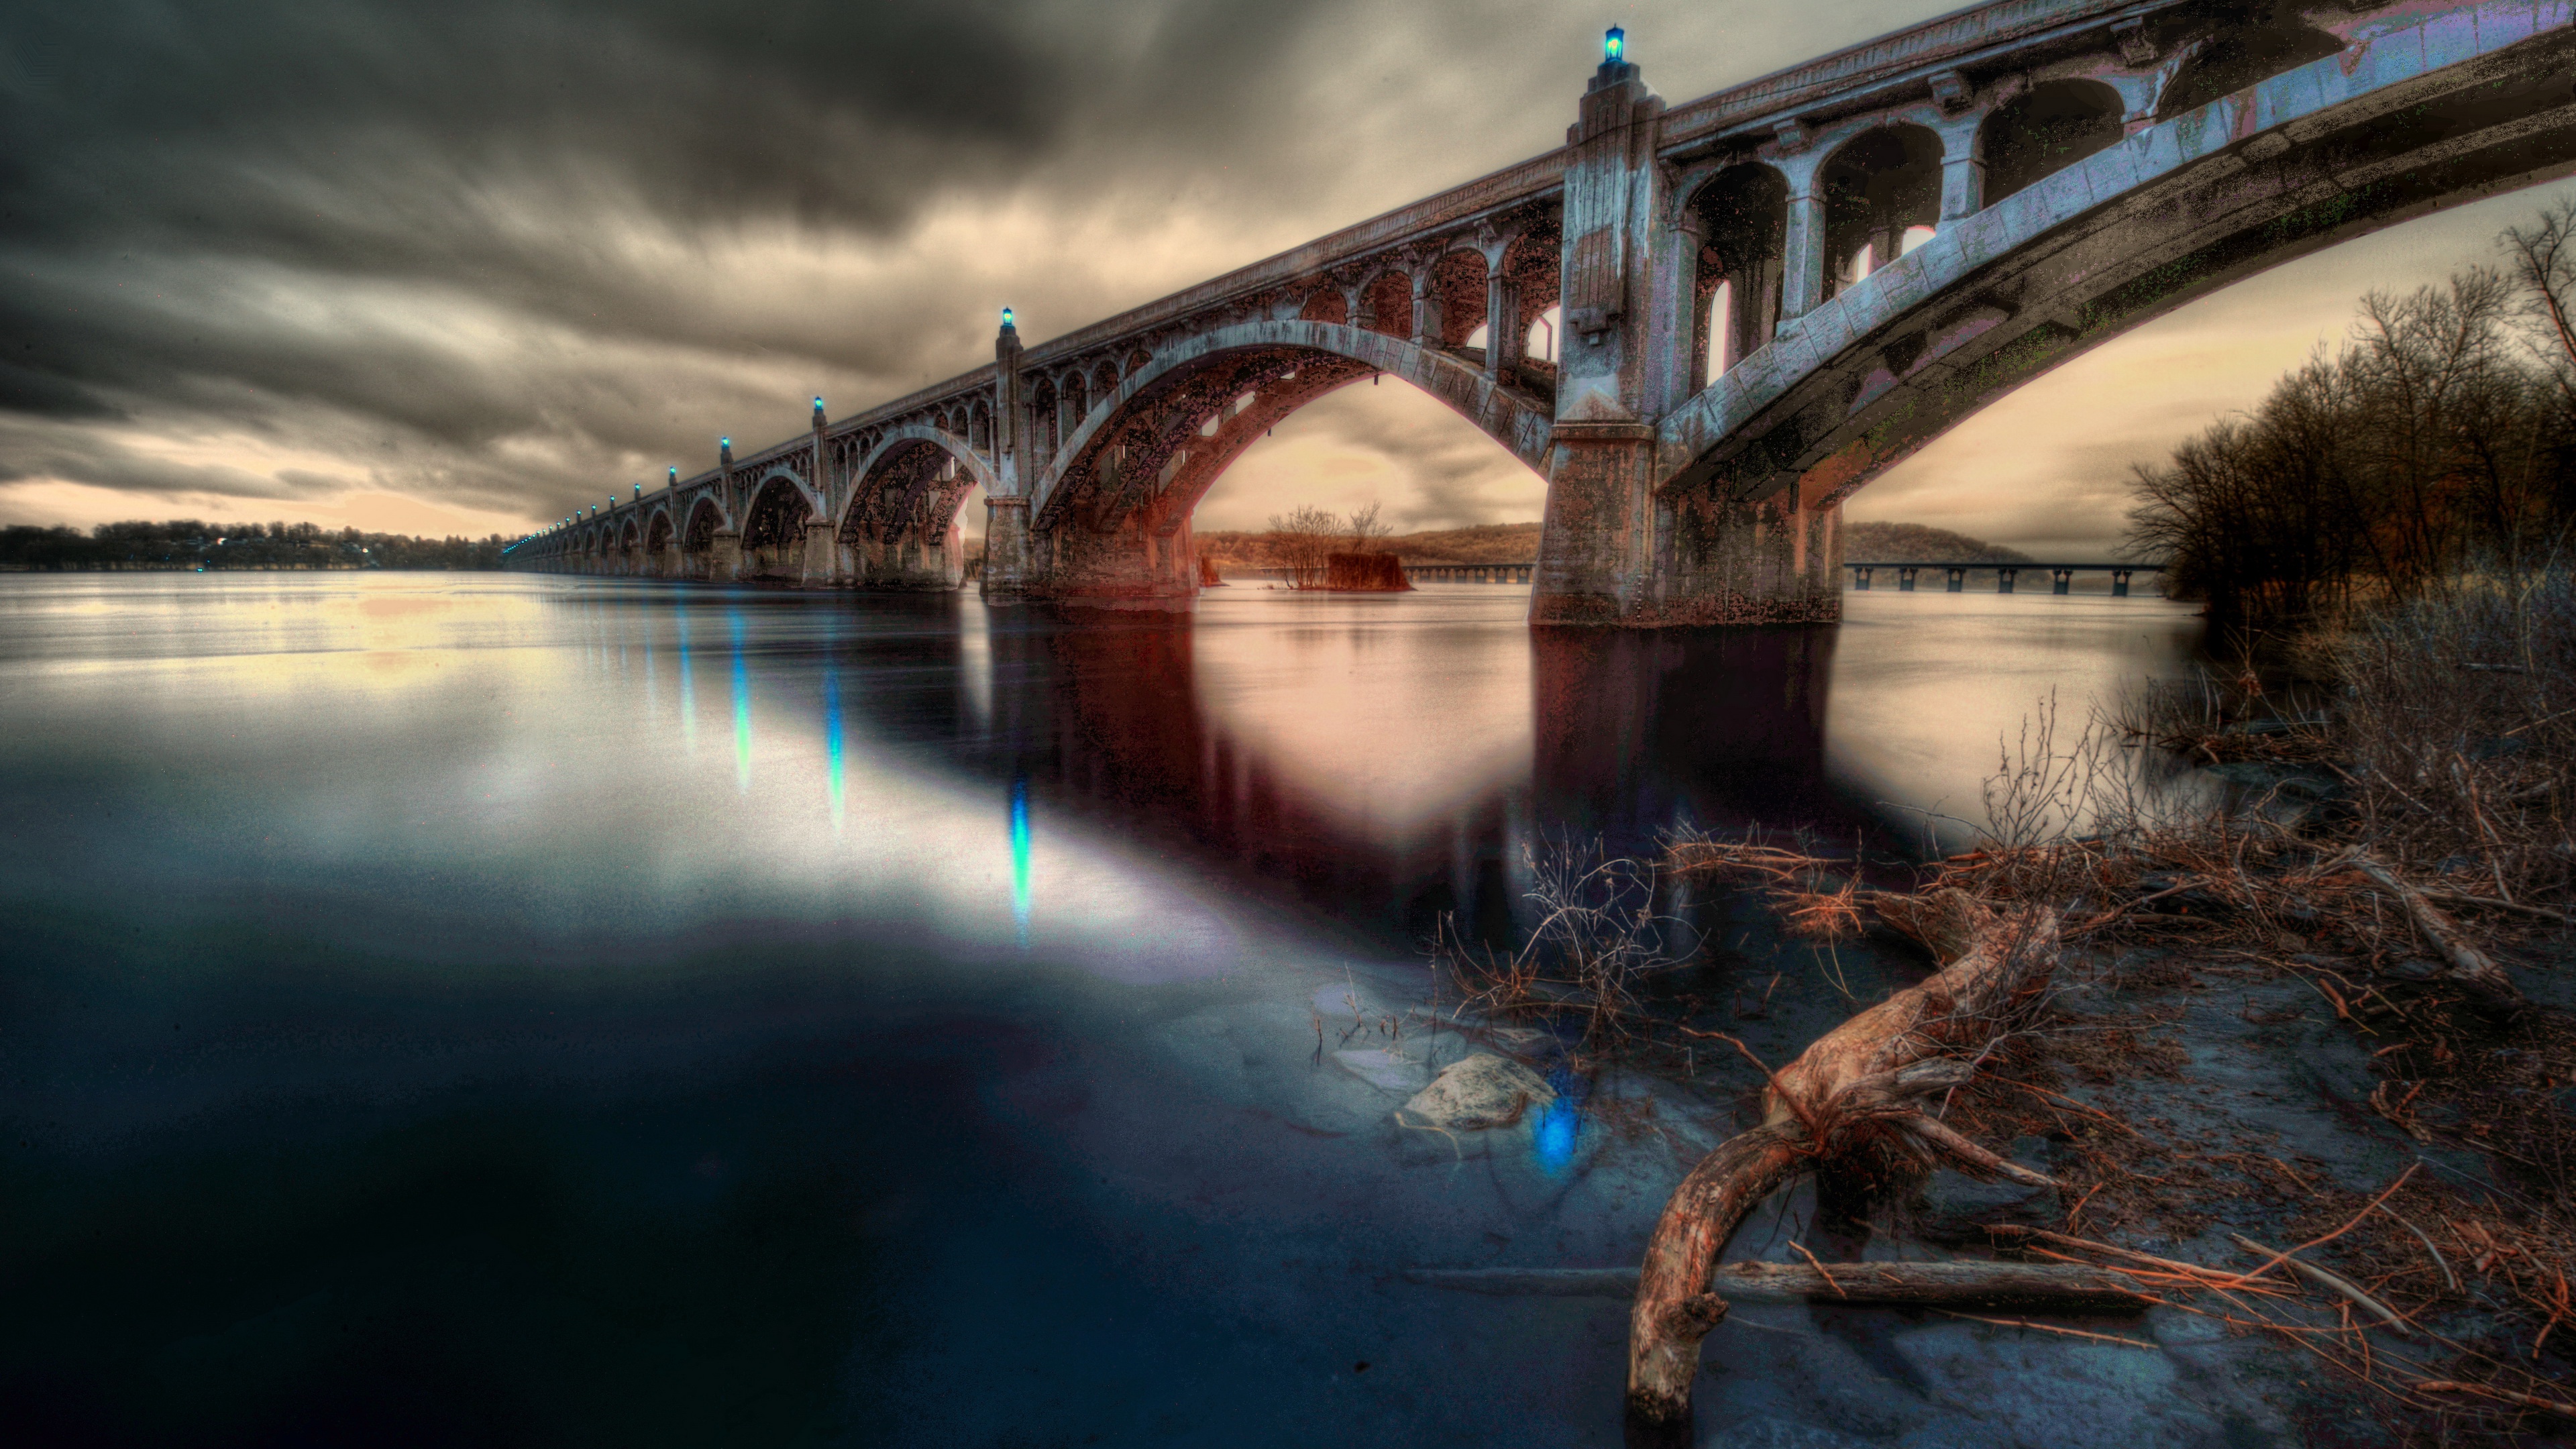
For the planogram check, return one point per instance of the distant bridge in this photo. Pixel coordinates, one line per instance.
(2061, 576)
(1765, 298)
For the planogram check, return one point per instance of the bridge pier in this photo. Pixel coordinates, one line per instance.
(724, 556)
(1006, 548)
(820, 563)
(1132, 566)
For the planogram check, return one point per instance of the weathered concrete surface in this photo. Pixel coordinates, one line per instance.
(2062, 170)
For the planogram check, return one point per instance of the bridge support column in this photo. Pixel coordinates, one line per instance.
(724, 556)
(1803, 283)
(1006, 548)
(1132, 566)
(1596, 536)
(1963, 173)
(818, 563)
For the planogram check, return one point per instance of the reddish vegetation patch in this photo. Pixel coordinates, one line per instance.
(1378, 573)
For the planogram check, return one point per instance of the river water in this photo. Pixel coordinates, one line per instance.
(512, 1010)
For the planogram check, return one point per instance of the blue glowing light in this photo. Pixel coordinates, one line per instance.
(741, 711)
(1559, 1129)
(1614, 45)
(1007, 319)
(833, 785)
(675, 475)
(1020, 856)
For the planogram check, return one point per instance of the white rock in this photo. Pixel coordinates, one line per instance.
(1480, 1091)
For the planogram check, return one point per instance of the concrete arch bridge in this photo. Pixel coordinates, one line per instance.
(1705, 325)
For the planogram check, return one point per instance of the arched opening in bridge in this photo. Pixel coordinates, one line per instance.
(903, 527)
(1392, 445)
(1543, 328)
(657, 543)
(698, 543)
(630, 541)
(1880, 183)
(773, 531)
(1741, 217)
(1456, 298)
(1528, 280)
(2046, 129)
(2239, 58)
(1386, 304)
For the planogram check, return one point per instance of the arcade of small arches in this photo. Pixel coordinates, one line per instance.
(1705, 325)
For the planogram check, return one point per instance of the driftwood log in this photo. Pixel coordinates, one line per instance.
(2462, 960)
(2062, 1287)
(1854, 1089)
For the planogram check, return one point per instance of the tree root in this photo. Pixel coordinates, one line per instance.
(1851, 1088)
(2069, 1288)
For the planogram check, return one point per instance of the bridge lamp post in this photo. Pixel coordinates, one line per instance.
(1614, 46)
(674, 479)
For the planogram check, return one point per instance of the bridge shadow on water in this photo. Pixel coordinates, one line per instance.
(1144, 730)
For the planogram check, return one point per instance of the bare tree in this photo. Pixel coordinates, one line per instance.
(1304, 538)
(1366, 529)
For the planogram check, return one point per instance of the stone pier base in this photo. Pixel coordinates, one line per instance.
(1133, 568)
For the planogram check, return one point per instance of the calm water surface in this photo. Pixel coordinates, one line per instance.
(502, 1010)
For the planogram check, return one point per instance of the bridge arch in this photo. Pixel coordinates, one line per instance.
(630, 542)
(2391, 128)
(657, 542)
(1155, 431)
(899, 527)
(773, 526)
(698, 539)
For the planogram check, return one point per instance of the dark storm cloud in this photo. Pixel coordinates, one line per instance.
(516, 254)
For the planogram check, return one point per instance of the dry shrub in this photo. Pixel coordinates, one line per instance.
(1598, 938)
(2457, 729)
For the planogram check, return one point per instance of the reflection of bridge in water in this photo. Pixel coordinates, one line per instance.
(1263, 764)
(1768, 296)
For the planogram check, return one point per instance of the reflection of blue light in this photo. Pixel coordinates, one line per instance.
(1558, 1130)
(1614, 45)
(741, 710)
(832, 784)
(1020, 856)
(688, 688)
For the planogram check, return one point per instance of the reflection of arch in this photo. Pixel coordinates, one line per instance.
(899, 528)
(1742, 218)
(2233, 61)
(773, 528)
(2046, 129)
(657, 542)
(1879, 183)
(1151, 442)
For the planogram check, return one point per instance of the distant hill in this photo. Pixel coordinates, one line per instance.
(1485, 543)
(1518, 543)
(1920, 543)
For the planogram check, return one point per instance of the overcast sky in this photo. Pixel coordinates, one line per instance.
(465, 265)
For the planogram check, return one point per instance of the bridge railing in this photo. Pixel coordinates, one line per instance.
(2061, 576)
